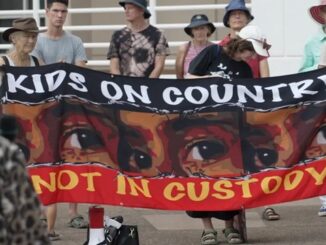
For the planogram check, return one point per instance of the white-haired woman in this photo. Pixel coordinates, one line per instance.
(23, 36)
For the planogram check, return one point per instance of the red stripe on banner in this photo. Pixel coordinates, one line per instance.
(97, 184)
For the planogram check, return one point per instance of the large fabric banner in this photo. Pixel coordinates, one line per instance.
(199, 144)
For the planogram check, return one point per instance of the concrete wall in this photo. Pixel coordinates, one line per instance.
(287, 25)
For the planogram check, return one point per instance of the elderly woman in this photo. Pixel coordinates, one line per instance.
(23, 36)
(199, 29)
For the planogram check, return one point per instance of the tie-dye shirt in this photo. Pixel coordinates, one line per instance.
(136, 51)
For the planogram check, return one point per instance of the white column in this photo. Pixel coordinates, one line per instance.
(25, 4)
(36, 11)
(152, 5)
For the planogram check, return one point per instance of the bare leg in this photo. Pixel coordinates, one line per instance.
(73, 210)
(229, 223)
(51, 216)
(209, 236)
(208, 225)
(231, 234)
(76, 220)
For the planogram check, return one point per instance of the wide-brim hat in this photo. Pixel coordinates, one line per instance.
(21, 24)
(140, 3)
(236, 5)
(316, 14)
(199, 20)
(254, 35)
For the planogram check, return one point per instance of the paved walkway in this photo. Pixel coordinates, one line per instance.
(299, 224)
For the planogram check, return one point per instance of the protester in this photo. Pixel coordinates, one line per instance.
(57, 45)
(20, 207)
(236, 17)
(20, 215)
(314, 57)
(228, 62)
(322, 61)
(139, 49)
(199, 29)
(312, 50)
(22, 35)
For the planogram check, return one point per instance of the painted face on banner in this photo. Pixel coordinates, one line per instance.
(204, 144)
(277, 139)
(317, 145)
(69, 132)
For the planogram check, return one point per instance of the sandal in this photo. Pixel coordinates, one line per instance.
(54, 236)
(232, 235)
(78, 222)
(270, 214)
(209, 238)
(44, 221)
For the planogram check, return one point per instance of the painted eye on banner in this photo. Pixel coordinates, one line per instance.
(24, 149)
(142, 159)
(266, 156)
(84, 138)
(206, 150)
(321, 136)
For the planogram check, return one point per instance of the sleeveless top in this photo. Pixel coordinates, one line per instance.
(191, 54)
(33, 60)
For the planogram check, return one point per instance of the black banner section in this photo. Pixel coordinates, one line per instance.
(35, 85)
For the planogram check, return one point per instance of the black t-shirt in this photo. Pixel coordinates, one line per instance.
(213, 60)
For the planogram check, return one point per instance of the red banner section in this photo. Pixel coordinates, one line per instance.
(98, 184)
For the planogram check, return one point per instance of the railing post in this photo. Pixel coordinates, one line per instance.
(25, 5)
(152, 9)
(36, 11)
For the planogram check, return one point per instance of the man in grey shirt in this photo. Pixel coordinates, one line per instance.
(57, 45)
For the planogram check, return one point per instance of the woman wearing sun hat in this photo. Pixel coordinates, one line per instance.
(23, 36)
(313, 46)
(314, 57)
(237, 16)
(229, 62)
(199, 29)
(23, 209)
